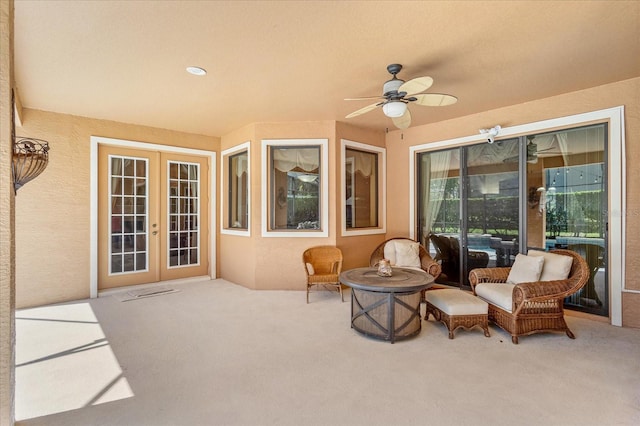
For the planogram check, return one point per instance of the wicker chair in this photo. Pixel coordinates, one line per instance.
(429, 265)
(323, 265)
(536, 306)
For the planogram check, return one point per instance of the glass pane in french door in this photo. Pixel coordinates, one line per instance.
(184, 214)
(566, 177)
(129, 187)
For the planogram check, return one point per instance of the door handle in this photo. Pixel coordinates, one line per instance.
(154, 233)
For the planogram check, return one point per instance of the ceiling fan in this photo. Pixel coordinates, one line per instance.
(397, 94)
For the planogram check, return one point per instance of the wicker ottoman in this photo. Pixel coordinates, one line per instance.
(456, 308)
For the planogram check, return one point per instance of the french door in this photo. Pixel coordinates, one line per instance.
(481, 205)
(153, 216)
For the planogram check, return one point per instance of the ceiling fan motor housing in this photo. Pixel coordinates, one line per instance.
(391, 86)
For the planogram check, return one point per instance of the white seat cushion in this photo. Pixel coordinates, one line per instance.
(556, 266)
(526, 269)
(498, 294)
(456, 302)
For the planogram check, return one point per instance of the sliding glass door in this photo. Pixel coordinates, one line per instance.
(481, 205)
(567, 199)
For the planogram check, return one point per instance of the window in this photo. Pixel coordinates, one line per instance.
(235, 206)
(363, 185)
(295, 199)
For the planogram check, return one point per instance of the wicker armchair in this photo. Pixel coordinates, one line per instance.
(323, 265)
(536, 306)
(429, 265)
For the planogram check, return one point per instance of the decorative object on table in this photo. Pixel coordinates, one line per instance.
(384, 268)
(322, 265)
(390, 248)
(406, 253)
(525, 308)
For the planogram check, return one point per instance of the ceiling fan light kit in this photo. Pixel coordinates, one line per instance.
(394, 109)
(397, 94)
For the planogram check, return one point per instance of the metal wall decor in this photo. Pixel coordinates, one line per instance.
(30, 156)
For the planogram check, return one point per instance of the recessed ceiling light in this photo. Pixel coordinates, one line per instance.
(196, 71)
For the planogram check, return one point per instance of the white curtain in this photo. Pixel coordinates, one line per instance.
(363, 162)
(241, 164)
(435, 170)
(563, 144)
(287, 159)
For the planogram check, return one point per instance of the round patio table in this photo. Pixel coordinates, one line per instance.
(386, 308)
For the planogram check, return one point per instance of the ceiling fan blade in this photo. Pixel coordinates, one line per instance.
(364, 110)
(404, 121)
(416, 85)
(435, 99)
(364, 98)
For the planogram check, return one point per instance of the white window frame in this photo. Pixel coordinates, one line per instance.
(382, 188)
(324, 188)
(617, 185)
(246, 146)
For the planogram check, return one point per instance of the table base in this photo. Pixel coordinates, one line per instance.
(386, 316)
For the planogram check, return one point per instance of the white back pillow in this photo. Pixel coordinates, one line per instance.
(556, 266)
(390, 252)
(407, 254)
(525, 269)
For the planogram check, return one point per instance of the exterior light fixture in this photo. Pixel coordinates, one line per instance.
(196, 71)
(491, 133)
(394, 109)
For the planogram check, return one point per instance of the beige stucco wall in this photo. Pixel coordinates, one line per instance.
(625, 93)
(7, 222)
(52, 211)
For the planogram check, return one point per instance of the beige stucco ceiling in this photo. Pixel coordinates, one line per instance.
(297, 60)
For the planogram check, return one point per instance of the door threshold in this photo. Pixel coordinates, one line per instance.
(127, 288)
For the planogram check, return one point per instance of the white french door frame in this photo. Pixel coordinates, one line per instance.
(95, 142)
(617, 185)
